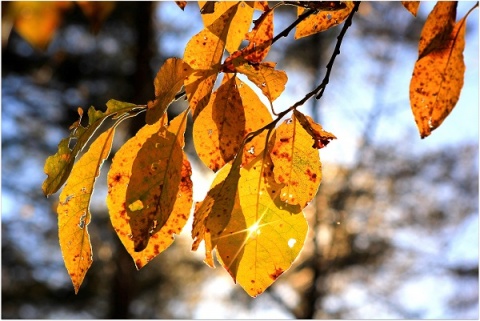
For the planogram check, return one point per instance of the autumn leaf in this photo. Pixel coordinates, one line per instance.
(181, 4)
(296, 163)
(322, 20)
(411, 6)
(438, 79)
(264, 235)
(203, 54)
(157, 184)
(37, 22)
(58, 166)
(97, 12)
(233, 112)
(168, 82)
(74, 208)
(239, 25)
(321, 137)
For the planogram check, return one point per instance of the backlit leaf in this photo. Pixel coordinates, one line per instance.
(297, 163)
(58, 166)
(411, 6)
(233, 112)
(181, 4)
(321, 137)
(203, 54)
(437, 31)
(239, 25)
(260, 39)
(74, 208)
(37, 22)
(168, 82)
(119, 180)
(96, 11)
(264, 235)
(322, 20)
(437, 81)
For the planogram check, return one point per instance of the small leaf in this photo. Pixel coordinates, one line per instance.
(118, 178)
(239, 25)
(297, 163)
(437, 81)
(411, 6)
(181, 4)
(321, 137)
(168, 82)
(58, 166)
(321, 21)
(260, 39)
(74, 208)
(96, 11)
(264, 235)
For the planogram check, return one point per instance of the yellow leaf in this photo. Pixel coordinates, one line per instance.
(321, 137)
(437, 31)
(203, 54)
(296, 163)
(37, 22)
(239, 25)
(233, 112)
(437, 81)
(264, 235)
(411, 6)
(322, 21)
(168, 82)
(74, 209)
(119, 177)
(260, 39)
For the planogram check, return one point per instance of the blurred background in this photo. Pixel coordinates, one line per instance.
(394, 227)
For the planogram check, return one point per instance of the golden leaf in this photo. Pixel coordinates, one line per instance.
(322, 20)
(411, 6)
(74, 209)
(264, 235)
(119, 177)
(260, 39)
(296, 163)
(168, 82)
(321, 137)
(437, 81)
(96, 11)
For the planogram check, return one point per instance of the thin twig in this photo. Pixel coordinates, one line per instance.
(287, 30)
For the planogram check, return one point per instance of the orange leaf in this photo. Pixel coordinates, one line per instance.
(297, 163)
(260, 39)
(437, 81)
(203, 53)
(96, 11)
(437, 31)
(264, 235)
(321, 137)
(239, 25)
(181, 4)
(119, 176)
(322, 21)
(233, 112)
(168, 82)
(74, 209)
(411, 6)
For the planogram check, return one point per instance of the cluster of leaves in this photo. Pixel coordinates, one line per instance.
(267, 171)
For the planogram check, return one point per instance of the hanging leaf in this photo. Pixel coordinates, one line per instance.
(168, 82)
(264, 235)
(296, 163)
(323, 20)
(203, 54)
(437, 81)
(181, 4)
(97, 12)
(321, 137)
(239, 25)
(437, 31)
(74, 209)
(58, 166)
(119, 180)
(411, 6)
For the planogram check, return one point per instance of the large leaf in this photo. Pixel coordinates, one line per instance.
(264, 235)
(74, 209)
(322, 20)
(239, 25)
(58, 166)
(297, 163)
(120, 178)
(168, 82)
(203, 54)
(437, 78)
